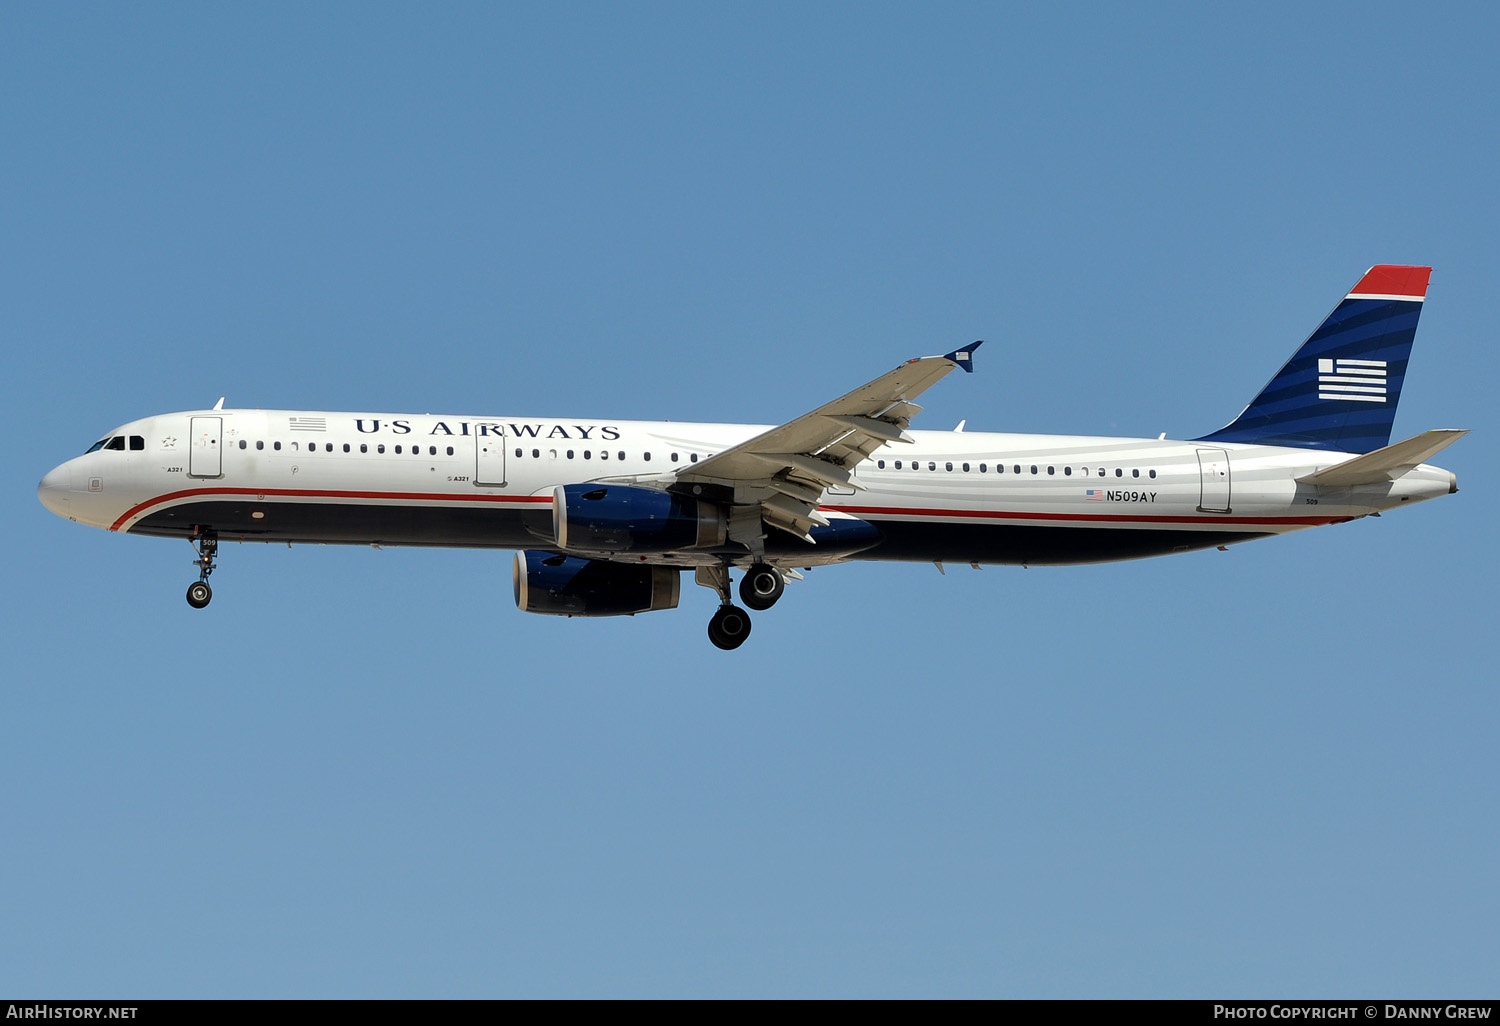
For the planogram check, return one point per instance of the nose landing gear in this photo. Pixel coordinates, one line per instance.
(207, 547)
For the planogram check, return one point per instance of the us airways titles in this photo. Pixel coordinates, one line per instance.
(582, 432)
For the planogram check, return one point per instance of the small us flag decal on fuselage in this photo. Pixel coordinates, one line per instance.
(1094, 494)
(1361, 380)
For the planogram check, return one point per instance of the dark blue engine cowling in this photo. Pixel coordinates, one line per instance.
(568, 586)
(625, 518)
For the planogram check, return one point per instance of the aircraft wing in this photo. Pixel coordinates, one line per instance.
(780, 476)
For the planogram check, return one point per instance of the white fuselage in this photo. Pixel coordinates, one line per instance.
(401, 479)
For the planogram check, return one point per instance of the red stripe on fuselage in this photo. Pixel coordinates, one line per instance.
(1120, 518)
(319, 493)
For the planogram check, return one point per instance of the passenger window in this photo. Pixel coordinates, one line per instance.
(931, 465)
(536, 454)
(898, 464)
(260, 445)
(242, 443)
(949, 466)
(1016, 468)
(966, 468)
(397, 450)
(1067, 471)
(880, 464)
(1033, 468)
(1101, 471)
(693, 458)
(604, 454)
(276, 446)
(450, 451)
(588, 454)
(648, 457)
(1135, 473)
(570, 454)
(674, 457)
(1119, 472)
(982, 468)
(363, 447)
(1051, 470)
(1151, 473)
(380, 449)
(137, 443)
(621, 454)
(518, 453)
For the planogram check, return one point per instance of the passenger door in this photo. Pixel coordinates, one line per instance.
(1213, 471)
(489, 463)
(205, 455)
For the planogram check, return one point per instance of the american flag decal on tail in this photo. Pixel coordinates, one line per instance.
(1361, 380)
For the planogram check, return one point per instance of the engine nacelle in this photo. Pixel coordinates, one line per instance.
(627, 518)
(568, 586)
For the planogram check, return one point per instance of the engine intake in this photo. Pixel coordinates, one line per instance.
(560, 585)
(627, 518)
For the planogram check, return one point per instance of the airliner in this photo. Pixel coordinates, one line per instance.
(607, 515)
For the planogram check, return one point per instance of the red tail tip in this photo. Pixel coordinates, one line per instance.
(1393, 280)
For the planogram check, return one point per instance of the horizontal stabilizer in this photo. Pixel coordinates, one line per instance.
(1388, 463)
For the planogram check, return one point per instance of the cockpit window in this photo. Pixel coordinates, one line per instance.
(138, 443)
(97, 446)
(117, 443)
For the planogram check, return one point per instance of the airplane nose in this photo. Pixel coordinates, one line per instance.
(54, 488)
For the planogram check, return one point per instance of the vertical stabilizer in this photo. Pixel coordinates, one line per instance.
(1339, 391)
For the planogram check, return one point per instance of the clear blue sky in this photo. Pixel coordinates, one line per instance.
(1266, 772)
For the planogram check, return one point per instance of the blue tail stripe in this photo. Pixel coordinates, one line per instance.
(1290, 410)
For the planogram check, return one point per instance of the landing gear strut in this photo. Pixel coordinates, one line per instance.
(730, 626)
(207, 547)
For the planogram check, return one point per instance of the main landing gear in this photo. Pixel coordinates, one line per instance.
(729, 627)
(207, 547)
(761, 586)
